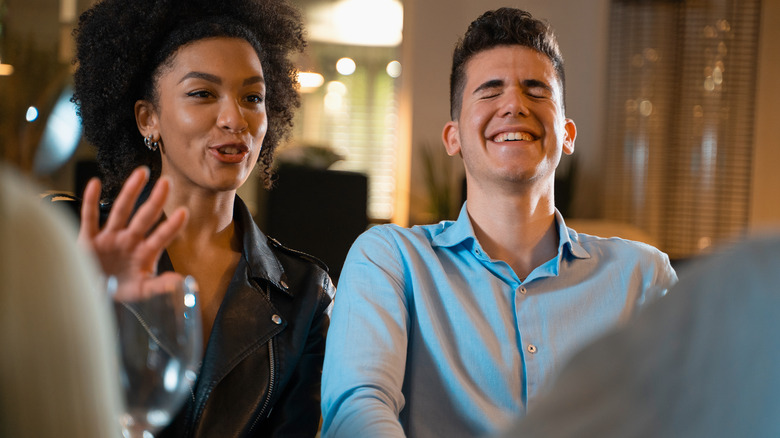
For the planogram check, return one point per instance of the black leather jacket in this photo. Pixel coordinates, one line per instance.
(263, 363)
(262, 366)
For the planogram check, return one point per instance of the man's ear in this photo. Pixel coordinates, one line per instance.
(570, 133)
(146, 119)
(450, 136)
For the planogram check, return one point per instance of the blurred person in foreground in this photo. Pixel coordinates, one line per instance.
(703, 362)
(58, 370)
(455, 329)
(188, 97)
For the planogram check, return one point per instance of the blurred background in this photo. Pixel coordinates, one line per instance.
(675, 101)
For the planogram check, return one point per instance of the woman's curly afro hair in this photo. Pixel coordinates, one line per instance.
(121, 45)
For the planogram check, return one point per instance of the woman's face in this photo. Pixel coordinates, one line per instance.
(210, 114)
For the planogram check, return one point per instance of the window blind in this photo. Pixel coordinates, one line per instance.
(680, 116)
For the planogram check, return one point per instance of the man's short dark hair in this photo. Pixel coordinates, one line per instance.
(501, 27)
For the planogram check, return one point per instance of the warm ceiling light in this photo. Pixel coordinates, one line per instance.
(345, 66)
(310, 81)
(357, 22)
(393, 69)
(6, 69)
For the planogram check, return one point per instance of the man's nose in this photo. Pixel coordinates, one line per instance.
(513, 103)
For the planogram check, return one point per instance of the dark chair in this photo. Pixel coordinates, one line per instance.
(320, 212)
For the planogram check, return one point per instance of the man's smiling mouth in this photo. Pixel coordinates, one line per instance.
(513, 136)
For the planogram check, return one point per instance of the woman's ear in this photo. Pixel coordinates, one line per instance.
(146, 119)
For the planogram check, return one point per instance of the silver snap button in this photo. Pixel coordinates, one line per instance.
(531, 348)
(276, 319)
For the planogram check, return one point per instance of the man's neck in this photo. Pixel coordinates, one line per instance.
(518, 229)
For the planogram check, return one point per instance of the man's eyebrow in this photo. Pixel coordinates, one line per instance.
(535, 83)
(493, 83)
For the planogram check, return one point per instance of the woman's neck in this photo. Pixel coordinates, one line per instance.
(210, 216)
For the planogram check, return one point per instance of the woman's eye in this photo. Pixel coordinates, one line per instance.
(200, 93)
(255, 98)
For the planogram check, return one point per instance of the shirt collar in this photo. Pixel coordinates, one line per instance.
(455, 232)
(568, 238)
(459, 231)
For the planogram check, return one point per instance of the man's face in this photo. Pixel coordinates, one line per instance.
(511, 127)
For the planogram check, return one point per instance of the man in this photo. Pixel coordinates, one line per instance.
(453, 329)
(701, 363)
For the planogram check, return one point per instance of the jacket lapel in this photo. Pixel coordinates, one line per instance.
(246, 319)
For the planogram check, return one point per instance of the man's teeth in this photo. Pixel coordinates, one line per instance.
(512, 136)
(229, 150)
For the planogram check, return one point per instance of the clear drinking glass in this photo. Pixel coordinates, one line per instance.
(160, 350)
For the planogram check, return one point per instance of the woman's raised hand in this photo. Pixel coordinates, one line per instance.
(124, 246)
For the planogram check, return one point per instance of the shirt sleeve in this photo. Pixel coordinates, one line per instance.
(365, 356)
(662, 277)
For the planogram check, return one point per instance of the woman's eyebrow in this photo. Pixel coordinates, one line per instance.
(200, 75)
(254, 80)
(217, 80)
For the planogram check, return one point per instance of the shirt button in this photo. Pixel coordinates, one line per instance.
(531, 348)
(523, 290)
(276, 319)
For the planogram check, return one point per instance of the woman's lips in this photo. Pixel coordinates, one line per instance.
(230, 153)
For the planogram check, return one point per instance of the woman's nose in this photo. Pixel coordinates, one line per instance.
(231, 117)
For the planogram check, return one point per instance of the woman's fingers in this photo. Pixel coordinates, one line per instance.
(152, 209)
(132, 291)
(167, 282)
(162, 236)
(125, 201)
(167, 231)
(90, 212)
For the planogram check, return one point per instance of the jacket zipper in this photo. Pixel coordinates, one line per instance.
(147, 328)
(271, 384)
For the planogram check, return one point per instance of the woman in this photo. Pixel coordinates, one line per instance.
(198, 92)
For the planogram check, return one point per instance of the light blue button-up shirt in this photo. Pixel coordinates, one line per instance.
(431, 337)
